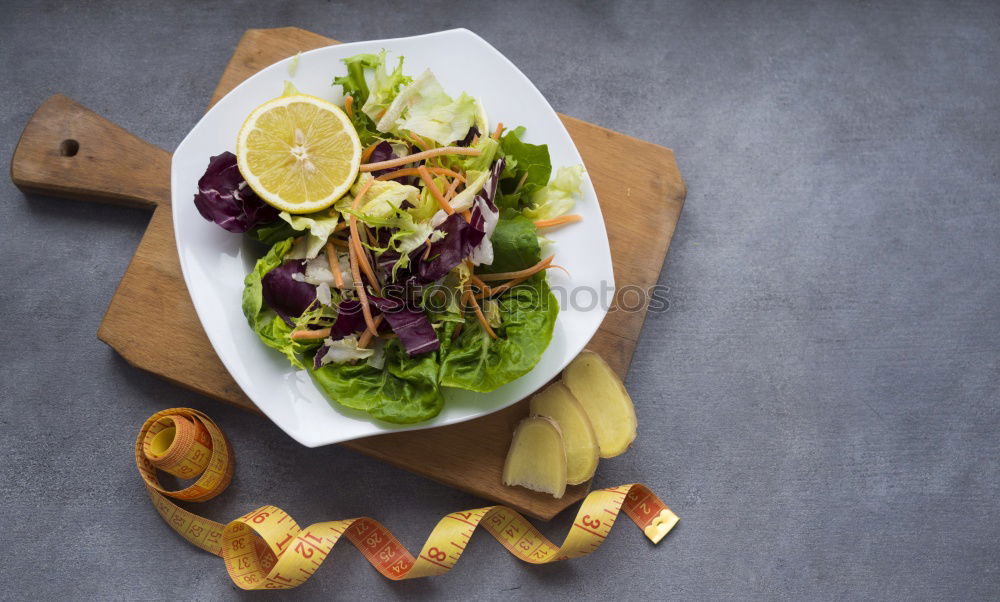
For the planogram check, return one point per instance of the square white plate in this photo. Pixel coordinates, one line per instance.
(215, 262)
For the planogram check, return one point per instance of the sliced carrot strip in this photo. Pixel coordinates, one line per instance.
(541, 265)
(498, 131)
(349, 106)
(366, 336)
(472, 277)
(467, 215)
(359, 251)
(452, 190)
(419, 140)
(301, 335)
(479, 313)
(359, 286)
(340, 226)
(334, 261)
(557, 221)
(412, 171)
(492, 292)
(435, 192)
(427, 154)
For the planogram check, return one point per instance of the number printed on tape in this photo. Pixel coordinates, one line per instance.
(266, 548)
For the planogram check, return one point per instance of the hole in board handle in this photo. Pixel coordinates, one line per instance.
(69, 147)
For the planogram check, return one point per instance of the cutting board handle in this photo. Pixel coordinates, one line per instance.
(68, 151)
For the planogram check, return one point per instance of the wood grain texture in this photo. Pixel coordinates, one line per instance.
(67, 150)
(152, 294)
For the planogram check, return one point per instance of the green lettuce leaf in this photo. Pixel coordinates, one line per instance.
(385, 86)
(478, 363)
(273, 233)
(319, 225)
(515, 244)
(404, 392)
(425, 109)
(384, 198)
(271, 329)
(354, 83)
(558, 196)
(528, 166)
(488, 148)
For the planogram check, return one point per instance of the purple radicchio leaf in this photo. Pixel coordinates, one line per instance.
(383, 152)
(411, 325)
(460, 238)
(288, 297)
(350, 319)
(224, 198)
(467, 141)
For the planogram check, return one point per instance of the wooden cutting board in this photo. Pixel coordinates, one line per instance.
(68, 151)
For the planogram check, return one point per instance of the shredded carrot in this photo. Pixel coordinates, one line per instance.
(368, 152)
(478, 282)
(334, 260)
(467, 215)
(541, 265)
(359, 286)
(300, 335)
(349, 106)
(359, 251)
(492, 292)
(435, 192)
(388, 335)
(412, 171)
(420, 141)
(479, 313)
(339, 243)
(498, 131)
(340, 226)
(475, 139)
(427, 154)
(557, 221)
(450, 194)
(427, 252)
(366, 336)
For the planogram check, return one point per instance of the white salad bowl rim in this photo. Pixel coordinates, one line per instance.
(214, 261)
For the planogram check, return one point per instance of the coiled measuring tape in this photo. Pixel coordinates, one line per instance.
(266, 549)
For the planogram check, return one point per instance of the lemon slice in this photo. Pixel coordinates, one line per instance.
(299, 153)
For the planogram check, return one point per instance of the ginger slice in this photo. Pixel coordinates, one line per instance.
(537, 459)
(604, 398)
(582, 452)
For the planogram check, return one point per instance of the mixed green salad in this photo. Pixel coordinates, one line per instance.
(430, 272)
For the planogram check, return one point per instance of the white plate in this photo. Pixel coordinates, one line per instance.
(215, 261)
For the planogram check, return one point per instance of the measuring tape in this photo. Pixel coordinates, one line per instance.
(266, 548)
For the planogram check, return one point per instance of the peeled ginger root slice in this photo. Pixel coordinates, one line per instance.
(582, 453)
(537, 459)
(604, 398)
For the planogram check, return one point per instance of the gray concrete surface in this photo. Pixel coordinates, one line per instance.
(819, 403)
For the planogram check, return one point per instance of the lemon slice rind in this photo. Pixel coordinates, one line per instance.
(291, 178)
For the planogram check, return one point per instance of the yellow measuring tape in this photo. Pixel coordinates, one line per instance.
(266, 549)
